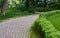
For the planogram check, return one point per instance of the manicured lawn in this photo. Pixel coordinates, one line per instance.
(55, 20)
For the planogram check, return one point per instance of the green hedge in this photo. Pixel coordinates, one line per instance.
(48, 28)
(42, 9)
(42, 25)
(50, 13)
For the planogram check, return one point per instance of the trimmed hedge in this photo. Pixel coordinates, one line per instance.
(42, 25)
(48, 28)
(50, 13)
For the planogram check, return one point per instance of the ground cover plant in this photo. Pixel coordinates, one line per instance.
(48, 24)
(13, 13)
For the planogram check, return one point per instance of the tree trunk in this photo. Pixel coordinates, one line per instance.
(4, 7)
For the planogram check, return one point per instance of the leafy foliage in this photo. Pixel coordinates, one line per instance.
(48, 28)
(1, 1)
(32, 5)
(13, 13)
(45, 26)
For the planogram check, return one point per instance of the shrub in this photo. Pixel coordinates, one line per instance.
(43, 9)
(45, 27)
(48, 28)
(50, 13)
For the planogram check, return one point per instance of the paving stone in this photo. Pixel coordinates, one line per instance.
(17, 27)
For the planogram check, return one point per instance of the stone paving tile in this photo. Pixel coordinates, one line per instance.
(17, 27)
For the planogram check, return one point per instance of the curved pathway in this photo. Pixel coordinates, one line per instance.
(17, 27)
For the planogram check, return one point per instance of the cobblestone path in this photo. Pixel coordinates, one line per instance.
(17, 27)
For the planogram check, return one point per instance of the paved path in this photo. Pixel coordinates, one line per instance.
(17, 27)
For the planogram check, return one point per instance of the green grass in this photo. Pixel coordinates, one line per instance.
(34, 35)
(48, 24)
(55, 20)
(13, 12)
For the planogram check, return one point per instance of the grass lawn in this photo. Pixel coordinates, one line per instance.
(13, 12)
(55, 20)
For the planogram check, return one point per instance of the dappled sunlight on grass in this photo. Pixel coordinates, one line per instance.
(55, 20)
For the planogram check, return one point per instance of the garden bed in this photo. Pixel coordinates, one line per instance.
(48, 24)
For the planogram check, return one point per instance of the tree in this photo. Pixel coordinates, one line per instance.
(1, 1)
(4, 7)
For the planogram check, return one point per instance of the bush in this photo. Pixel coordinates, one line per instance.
(50, 13)
(45, 27)
(43, 9)
(48, 28)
